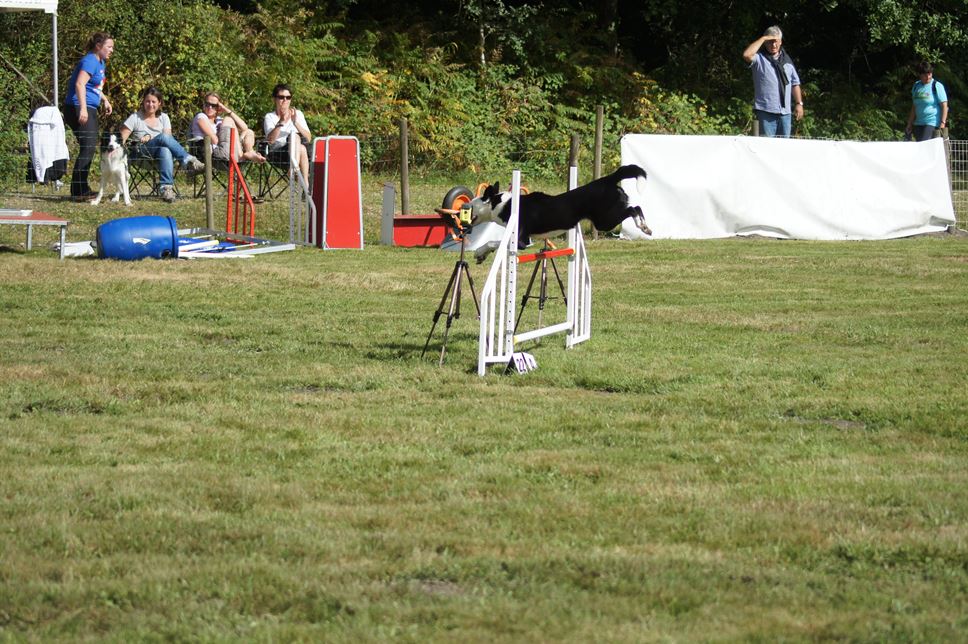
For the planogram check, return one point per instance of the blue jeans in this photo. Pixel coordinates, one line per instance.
(166, 149)
(774, 124)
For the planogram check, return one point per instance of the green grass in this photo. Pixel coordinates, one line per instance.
(762, 440)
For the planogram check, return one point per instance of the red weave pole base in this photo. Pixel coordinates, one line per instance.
(545, 254)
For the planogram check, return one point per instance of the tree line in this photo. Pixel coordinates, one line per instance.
(491, 83)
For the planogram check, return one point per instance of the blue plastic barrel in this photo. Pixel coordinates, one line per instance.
(133, 238)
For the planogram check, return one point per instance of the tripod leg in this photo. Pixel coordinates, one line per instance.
(452, 314)
(470, 281)
(561, 285)
(542, 289)
(526, 297)
(440, 308)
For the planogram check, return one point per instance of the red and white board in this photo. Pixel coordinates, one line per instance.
(337, 193)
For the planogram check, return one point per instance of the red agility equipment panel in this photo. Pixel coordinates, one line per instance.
(419, 230)
(337, 193)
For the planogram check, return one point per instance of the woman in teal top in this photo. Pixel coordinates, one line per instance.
(929, 110)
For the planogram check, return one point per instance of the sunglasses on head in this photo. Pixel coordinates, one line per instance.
(286, 97)
(214, 106)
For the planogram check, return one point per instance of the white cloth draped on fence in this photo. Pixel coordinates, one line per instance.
(721, 186)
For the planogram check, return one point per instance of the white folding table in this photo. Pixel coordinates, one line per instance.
(29, 218)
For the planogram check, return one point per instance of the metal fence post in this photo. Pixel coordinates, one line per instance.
(404, 168)
(209, 215)
(573, 151)
(599, 135)
(386, 215)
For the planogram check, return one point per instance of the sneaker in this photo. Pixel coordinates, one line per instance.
(193, 166)
(167, 193)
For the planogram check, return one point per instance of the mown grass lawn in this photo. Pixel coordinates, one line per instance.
(762, 440)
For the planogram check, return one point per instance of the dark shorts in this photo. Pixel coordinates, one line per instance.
(924, 132)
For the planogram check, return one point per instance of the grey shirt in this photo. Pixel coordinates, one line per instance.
(139, 128)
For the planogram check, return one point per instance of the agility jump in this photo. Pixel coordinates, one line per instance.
(499, 295)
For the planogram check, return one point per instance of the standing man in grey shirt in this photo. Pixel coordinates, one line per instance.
(776, 84)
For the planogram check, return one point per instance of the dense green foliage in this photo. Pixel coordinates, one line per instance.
(488, 84)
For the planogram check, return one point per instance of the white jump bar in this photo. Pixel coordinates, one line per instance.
(539, 333)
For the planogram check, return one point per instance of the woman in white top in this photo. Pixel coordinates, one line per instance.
(151, 132)
(217, 121)
(283, 122)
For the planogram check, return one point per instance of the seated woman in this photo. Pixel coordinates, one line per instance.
(151, 132)
(217, 121)
(283, 122)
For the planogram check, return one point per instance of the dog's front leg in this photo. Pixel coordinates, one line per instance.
(100, 195)
(124, 189)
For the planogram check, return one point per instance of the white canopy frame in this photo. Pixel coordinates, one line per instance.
(47, 6)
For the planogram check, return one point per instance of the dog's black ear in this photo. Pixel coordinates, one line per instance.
(496, 194)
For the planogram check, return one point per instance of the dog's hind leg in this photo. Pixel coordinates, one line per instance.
(614, 216)
(635, 212)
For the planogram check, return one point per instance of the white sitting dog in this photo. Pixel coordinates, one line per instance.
(114, 169)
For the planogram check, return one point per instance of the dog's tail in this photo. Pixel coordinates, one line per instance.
(630, 171)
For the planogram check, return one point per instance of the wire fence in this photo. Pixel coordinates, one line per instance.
(380, 157)
(958, 172)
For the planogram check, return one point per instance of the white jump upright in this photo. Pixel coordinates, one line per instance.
(302, 208)
(499, 295)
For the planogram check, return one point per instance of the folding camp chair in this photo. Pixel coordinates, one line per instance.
(219, 169)
(143, 172)
(274, 173)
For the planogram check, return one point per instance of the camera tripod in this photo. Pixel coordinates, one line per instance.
(453, 293)
(542, 297)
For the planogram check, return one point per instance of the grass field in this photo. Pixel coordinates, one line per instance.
(762, 440)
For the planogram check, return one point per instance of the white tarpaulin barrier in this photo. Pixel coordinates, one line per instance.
(720, 186)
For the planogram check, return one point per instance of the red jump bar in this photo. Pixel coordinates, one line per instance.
(545, 254)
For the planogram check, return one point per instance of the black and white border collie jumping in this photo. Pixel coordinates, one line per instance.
(603, 202)
(114, 169)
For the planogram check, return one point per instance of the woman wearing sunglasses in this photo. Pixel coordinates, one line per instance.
(281, 123)
(217, 121)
